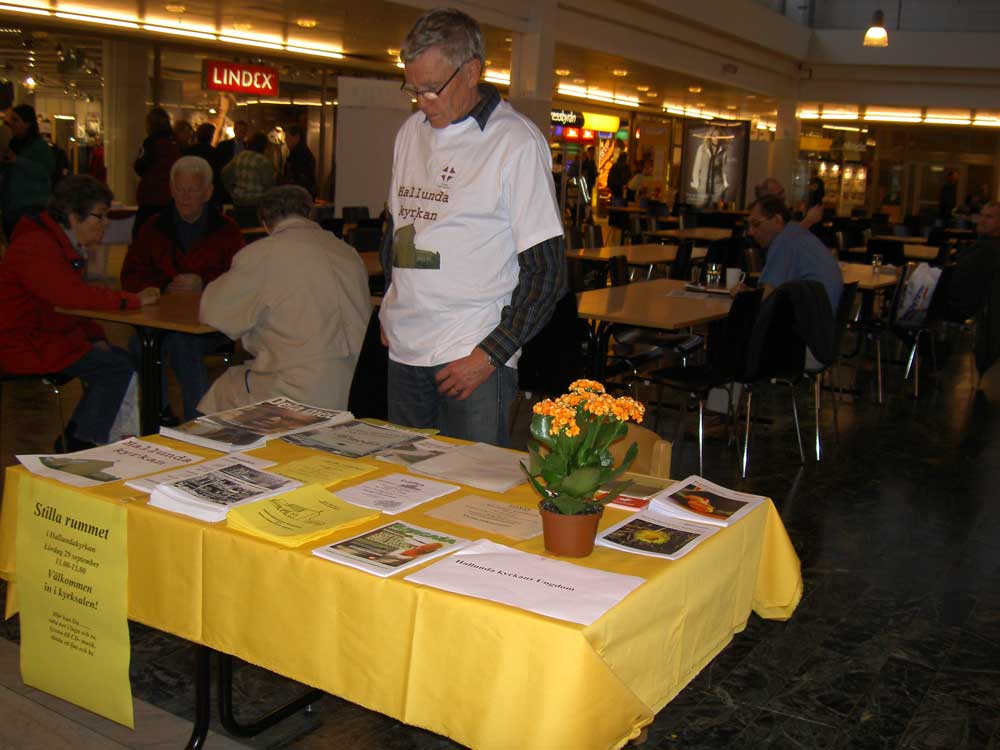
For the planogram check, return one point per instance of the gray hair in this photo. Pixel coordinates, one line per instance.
(456, 34)
(77, 195)
(284, 201)
(192, 165)
(768, 186)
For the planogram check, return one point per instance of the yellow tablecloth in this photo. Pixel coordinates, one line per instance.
(485, 674)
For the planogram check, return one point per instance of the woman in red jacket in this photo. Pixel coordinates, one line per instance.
(159, 152)
(43, 269)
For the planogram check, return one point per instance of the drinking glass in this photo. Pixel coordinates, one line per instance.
(714, 275)
(695, 274)
(876, 263)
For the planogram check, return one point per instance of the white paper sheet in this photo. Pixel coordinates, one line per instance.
(478, 465)
(491, 516)
(107, 463)
(394, 493)
(148, 484)
(487, 570)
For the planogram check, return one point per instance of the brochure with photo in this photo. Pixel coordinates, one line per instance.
(395, 493)
(656, 535)
(108, 463)
(209, 496)
(353, 438)
(701, 501)
(251, 426)
(391, 548)
(635, 494)
(419, 450)
(148, 484)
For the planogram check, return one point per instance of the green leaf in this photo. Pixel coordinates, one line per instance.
(614, 490)
(535, 458)
(541, 424)
(630, 455)
(571, 505)
(583, 481)
(535, 483)
(554, 468)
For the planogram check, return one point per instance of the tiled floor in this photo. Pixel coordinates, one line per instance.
(896, 643)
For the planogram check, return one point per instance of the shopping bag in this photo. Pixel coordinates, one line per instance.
(917, 294)
(126, 422)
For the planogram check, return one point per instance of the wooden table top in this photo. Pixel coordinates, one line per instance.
(638, 255)
(648, 303)
(628, 209)
(908, 240)
(867, 279)
(704, 234)
(921, 252)
(174, 312)
(373, 263)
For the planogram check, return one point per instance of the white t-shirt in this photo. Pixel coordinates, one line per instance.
(464, 203)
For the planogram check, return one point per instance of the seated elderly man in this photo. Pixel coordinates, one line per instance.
(180, 250)
(770, 186)
(793, 253)
(298, 299)
(43, 269)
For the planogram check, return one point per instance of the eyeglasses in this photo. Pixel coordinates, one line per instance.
(429, 94)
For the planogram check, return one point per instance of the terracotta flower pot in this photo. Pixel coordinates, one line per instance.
(569, 536)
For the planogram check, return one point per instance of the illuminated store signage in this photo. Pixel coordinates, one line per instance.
(566, 117)
(241, 79)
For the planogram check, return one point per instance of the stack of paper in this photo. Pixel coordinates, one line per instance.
(391, 548)
(656, 535)
(148, 483)
(478, 465)
(250, 427)
(297, 517)
(353, 439)
(108, 463)
(411, 453)
(209, 496)
(634, 495)
(394, 493)
(696, 499)
(324, 470)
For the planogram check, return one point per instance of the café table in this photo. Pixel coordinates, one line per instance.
(702, 235)
(660, 303)
(643, 255)
(487, 675)
(373, 263)
(177, 311)
(907, 239)
(868, 280)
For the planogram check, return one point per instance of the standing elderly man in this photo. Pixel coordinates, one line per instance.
(794, 253)
(474, 262)
(299, 301)
(975, 286)
(180, 250)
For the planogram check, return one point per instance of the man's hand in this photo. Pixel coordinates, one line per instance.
(149, 296)
(186, 282)
(460, 378)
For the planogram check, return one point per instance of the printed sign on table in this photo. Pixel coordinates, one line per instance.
(72, 574)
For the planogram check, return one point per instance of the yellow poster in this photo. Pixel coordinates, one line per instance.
(72, 573)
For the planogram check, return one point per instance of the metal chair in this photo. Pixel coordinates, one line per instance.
(365, 239)
(681, 266)
(352, 214)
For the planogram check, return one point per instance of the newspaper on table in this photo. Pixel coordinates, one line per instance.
(408, 454)
(554, 588)
(395, 493)
(635, 494)
(148, 483)
(353, 438)
(391, 548)
(251, 426)
(696, 499)
(478, 465)
(107, 463)
(209, 496)
(657, 535)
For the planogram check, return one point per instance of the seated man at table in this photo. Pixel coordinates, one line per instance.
(770, 186)
(299, 301)
(794, 253)
(43, 269)
(180, 250)
(975, 286)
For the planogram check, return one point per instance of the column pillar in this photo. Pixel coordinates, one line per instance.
(785, 149)
(126, 91)
(532, 58)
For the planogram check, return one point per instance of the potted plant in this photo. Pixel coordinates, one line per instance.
(569, 460)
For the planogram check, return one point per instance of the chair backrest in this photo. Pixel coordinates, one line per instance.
(555, 357)
(353, 213)
(937, 237)
(593, 236)
(334, 225)
(681, 267)
(368, 396)
(618, 270)
(717, 252)
(728, 338)
(653, 457)
(574, 237)
(890, 250)
(845, 314)
(775, 349)
(751, 260)
(365, 239)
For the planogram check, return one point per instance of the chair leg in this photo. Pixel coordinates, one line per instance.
(916, 367)
(798, 432)
(817, 387)
(746, 437)
(833, 390)
(701, 437)
(878, 366)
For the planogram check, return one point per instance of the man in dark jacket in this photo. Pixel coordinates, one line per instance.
(975, 286)
(300, 167)
(182, 249)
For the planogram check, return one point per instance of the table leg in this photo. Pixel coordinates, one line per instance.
(228, 718)
(150, 372)
(600, 336)
(202, 697)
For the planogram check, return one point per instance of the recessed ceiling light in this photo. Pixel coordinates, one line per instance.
(508, 39)
(619, 72)
(643, 88)
(562, 71)
(579, 81)
(694, 89)
(700, 105)
(400, 65)
(651, 94)
(750, 96)
(306, 23)
(242, 25)
(393, 52)
(731, 106)
(175, 8)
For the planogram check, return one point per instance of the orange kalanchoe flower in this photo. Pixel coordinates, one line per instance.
(586, 397)
(585, 385)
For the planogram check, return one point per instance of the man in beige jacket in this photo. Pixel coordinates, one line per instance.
(299, 301)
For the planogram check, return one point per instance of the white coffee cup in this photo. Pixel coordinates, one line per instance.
(734, 277)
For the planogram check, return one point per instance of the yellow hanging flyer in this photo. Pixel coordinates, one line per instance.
(325, 470)
(297, 517)
(72, 574)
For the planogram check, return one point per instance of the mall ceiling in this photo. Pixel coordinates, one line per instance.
(58, 55)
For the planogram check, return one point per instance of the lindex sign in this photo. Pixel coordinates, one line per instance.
(241, 79)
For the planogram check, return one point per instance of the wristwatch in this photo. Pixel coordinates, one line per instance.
(493, 360)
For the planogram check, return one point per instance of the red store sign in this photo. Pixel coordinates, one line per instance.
(241, 79)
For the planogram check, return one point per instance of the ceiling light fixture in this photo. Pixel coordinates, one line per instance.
(562, 71)
(249, 42)
(619, 72)
(242, 25)
(306, 23)
(31, 11)
(178, 32)
(876, 35)
(642, 88)
(694, 89)
(392, 52)
(842, 127)
(175, 8)
(497, 76)
(95, 19)
(317, 52)
(596, 95)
